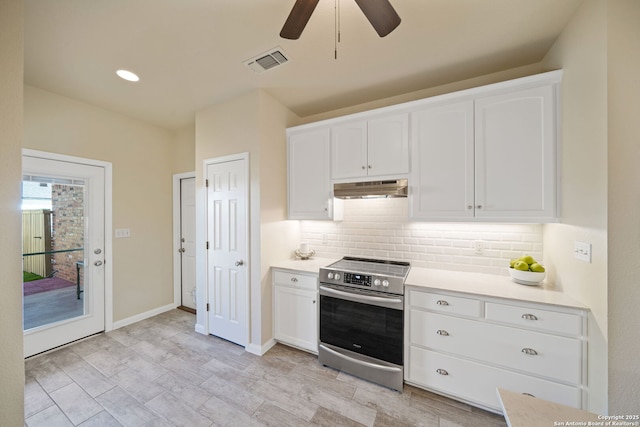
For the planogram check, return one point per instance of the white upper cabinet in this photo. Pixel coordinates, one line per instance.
(515, 140)
(488, 156)
(482, 154)
(349, 150)
(310, 194)
(370, 148)
(443, 164)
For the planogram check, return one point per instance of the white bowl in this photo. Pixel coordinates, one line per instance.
(526, 277)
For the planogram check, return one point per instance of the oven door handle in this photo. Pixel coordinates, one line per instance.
(366, 299)
(361, 362)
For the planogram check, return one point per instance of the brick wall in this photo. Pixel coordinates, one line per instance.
(67, 202)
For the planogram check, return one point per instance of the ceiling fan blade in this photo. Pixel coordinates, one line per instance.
(381, 15)
(298, 19)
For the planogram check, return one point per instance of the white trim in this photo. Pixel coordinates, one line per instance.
(108, 221)
(201, 280)
(177, 279)
(143, 316)
(260, 349)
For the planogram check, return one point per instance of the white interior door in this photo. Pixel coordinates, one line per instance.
(70, 304)
(188, 242)
(227, 264)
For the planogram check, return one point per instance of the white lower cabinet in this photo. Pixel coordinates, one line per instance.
(477, 382)
(295, 309)
(467, 353)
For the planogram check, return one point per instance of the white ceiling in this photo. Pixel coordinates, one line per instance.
(189, 53)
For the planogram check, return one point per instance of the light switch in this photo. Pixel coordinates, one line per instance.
(582, 251)
(122, 232)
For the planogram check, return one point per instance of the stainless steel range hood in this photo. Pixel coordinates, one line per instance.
(371, 189)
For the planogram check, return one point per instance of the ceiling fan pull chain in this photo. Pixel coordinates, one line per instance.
(336, 5)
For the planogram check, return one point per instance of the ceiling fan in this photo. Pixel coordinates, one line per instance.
(380, 14)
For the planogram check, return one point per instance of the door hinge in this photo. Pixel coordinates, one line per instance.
(207, 306)
(206, 183)
(207, 245)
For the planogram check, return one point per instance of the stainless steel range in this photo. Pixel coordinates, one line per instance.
(362, 320)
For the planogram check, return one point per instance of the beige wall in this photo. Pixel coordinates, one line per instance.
(11, 353)
(253, 123)
(184, 150)
(581, 52)
(513, 73)
(624, 205)
(143, 162)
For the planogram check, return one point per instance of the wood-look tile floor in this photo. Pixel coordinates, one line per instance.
(159, 372)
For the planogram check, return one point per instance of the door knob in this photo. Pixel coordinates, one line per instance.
(97, 263)
(239, 263)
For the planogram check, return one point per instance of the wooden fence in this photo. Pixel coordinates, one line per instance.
(36, 237)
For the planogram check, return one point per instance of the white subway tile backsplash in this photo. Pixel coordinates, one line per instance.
(380, 228)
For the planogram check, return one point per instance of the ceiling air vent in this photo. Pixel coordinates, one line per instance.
(267, 60)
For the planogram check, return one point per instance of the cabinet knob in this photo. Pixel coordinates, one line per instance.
(442, 333)
(530, 351)
(479, 207)
(294, 279)
(470, 207)
(314, 301)
(442, 302)
(363, 168)
(369, 166)
(442, 372)
(528, 316)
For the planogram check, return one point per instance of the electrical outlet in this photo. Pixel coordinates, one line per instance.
(478, 247)
(582, 251)
(122, 232)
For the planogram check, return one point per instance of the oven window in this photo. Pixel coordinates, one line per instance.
(362, 328)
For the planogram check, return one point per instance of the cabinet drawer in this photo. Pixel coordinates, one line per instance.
(531, 318)
(477, 383)
(446, 304)
(551, 356)
(295, 279)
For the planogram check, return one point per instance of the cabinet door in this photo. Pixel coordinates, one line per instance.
(388, 145)
(515, 155)
(349, 150)
(443, 164)
(296, 317)
(308, 175)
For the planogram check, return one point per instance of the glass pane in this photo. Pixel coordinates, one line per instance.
(53, 233)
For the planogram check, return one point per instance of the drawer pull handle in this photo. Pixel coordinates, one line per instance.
(528, 394)
(442, 332)
(294, 279)
(529, 351)
(528, 316)
(442, 302)
(442, 372)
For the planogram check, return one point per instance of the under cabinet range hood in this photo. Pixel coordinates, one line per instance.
(371, 189)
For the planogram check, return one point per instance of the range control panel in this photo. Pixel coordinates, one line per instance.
(357, 279)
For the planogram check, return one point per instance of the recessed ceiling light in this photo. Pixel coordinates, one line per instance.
(127, 75)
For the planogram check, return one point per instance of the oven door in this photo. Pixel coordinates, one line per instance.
(367, 323)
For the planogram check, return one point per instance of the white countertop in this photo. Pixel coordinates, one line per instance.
(488, 285)
(457, 281)
(304, 265)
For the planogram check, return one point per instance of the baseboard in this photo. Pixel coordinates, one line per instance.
(142, 316)
(260, 349)
(200, 329)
